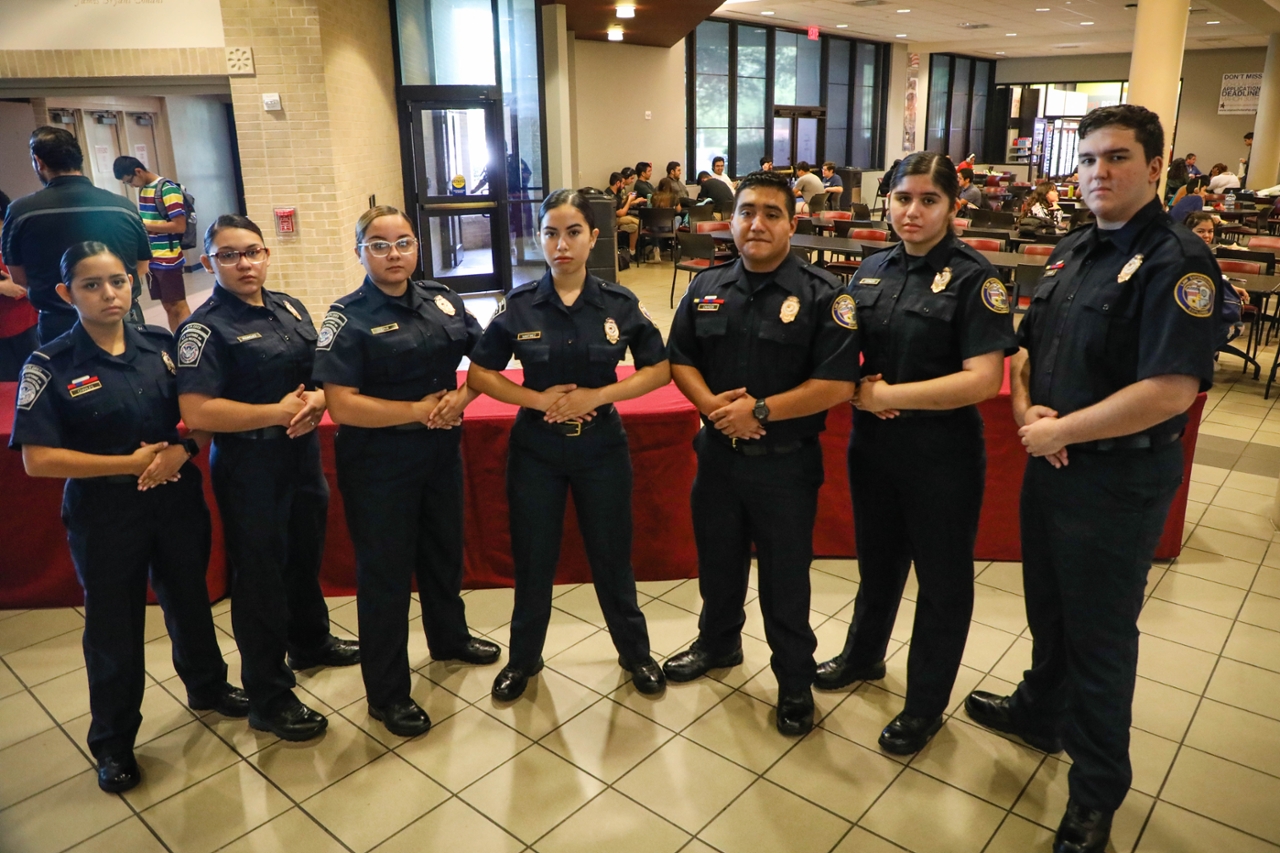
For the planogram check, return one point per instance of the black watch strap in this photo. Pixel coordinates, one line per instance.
(193, 448)
(760, 411)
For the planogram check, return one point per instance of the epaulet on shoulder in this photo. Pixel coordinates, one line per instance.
(155, 331)
(520, 290)
(342, 302)
(612, 287)
(1075, 235)
(62, 343)
(431, 284)
(818, 272)
(971, 253)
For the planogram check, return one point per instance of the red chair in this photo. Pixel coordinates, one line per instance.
(873, 234)
(833, 215)
(692, 253)
(1036, 249)
(1248, 267)
(1262, 242)
(723, 252)
(984, 244)
(960, 223)
(993, 180)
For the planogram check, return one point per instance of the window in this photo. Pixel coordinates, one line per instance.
(959, 100)
(752, 65)
(837, 100)
(711, 84)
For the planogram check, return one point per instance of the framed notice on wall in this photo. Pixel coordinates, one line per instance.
(1239, 95)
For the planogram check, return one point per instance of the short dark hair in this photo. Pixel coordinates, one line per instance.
(767, 181)
(764, 160)
(614, 177)
(672, 166)
(126, 167)
(938, 167)
(1190, 157)
(225, 221)
(1249, 135)
(703, 175)
(72, 257)
(967, 174)
(1194, 219)
(57, 149)
(829, 165)
(572, 198)
(627, 172)
(803, 166)
(643, 167)
(1178, 170)
(1143, 122)
(716, 159)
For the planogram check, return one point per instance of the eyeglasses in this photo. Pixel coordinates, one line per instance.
(381, 248)
(230, 257)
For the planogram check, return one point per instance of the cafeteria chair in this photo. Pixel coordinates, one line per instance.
(1267, 259)
(1260, 241)
(1026, 278)
(960, 224)
(692, 253)
(1036, 249)
(1003, 219)
(701, 213)
(859, 210)
(657, 225)
(724, 252)
(804, 225)
(724, 209)
(817, 203)
(1250, 314)
(981, 216)
(993, 233)
(984, 244)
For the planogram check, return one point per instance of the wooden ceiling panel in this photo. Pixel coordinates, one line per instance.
(658, 23)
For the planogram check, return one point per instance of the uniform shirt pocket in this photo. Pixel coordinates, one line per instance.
(710, 324)
(1114, 300)
(532, 352)
(396, 356)
(934, 306)
(607, 353)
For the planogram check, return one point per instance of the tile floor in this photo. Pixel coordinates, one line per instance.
(585, 763)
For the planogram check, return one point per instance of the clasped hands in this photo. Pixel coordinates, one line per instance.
(731, 413)
(870, 397)
(568, 403)
(1042, 435)
(443, 409)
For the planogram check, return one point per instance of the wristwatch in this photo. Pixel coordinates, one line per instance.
(761, 411)
(193, 448)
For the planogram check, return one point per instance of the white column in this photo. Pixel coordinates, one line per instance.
(1155, 68)
(555, 57)
(1265, 160)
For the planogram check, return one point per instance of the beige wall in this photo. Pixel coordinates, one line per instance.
(202, 154)
(16, 123)
(614, 85)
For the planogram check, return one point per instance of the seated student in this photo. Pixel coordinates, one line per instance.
(644, 171)
(1221, 179)
(1190, 199)
(1191, 166)
(717, 172)
(1202, 225)
(766, 164)
(622, 202)
(833, 183)
(1042, 203)
(712, 189)
(672, 184)
(970, 194)
(807, 185)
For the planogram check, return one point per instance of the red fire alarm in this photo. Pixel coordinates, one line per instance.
(286, 220)
(814, 34)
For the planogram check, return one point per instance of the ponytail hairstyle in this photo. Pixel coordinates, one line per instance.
(573, 199)
(72, 257)
(366, 219)
(939, 168)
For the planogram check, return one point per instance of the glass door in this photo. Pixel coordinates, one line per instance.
(459, 187)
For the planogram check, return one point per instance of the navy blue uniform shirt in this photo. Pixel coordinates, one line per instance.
(73, 394)
(250, 354)
(797, 325)
(395, 348)
(1118, 306)
(579, 344)
(921, 317)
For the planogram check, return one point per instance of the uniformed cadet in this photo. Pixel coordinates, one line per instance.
(1118, 341)
(763, 347)
(387, 356)
(244, 370)
(99, 406)
(935, 327)
(570, 330)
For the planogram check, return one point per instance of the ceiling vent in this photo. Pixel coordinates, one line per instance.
(865, 3)
(970, 26)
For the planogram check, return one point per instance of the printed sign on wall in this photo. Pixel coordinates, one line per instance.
(1239, 95)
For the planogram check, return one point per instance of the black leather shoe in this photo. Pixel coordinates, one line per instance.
(1083, 830)
(404, 718)
(228, 701)
(337, 652)
(996, 712)
(795, 713)
(646, 676)
(907, 735)
(695, 662)
(511, 682)
(477, 652)
(294, 722)
(837, 673)
(118, 773)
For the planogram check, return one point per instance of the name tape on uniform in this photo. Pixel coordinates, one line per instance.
(329, 328)
(528, 336)
(83, 385)
(31, 385)
(252, 336)
(382, 330)
(191, 344)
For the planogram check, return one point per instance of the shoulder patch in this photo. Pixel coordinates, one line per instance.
(191, 344)
(845, 312)
(31, 385)
(1194, 294)
(329, 328)
(995, 296)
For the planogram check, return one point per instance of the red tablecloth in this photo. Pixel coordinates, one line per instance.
(36, 570)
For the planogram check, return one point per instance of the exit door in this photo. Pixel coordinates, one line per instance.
(458, 190)
(796, 131)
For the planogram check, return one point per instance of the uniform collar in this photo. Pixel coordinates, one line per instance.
(1126, 235)
(546, 290)
(238, 305)
(937, 258)
(374, 294)
(783, 275)
(86, 350)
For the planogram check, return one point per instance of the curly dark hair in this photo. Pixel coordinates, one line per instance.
(1143, 122)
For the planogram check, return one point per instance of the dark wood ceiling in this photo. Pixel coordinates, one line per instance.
(658, 23)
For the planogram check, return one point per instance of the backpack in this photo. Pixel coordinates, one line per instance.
(1229, 317)
(191, 236)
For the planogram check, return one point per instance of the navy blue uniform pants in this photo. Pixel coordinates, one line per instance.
(273, 499)
(1089, 533)
(771, 501)
(402, 490)
(917, 491)
(116, 534)
(542, 468)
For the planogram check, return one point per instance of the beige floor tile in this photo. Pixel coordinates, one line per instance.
(1204, 492)
(1243, 501)
(293, 830)
(1272, 557)
(21, 717)
(829, 594)
(35, 626)
(335, 686)
(986, 646)
(1190, 591)
(685, 783)
(175, 761)
(244, 739)
(61, 816)
(439, 704)
(592, 663)
(1224, 431)
(656, 589)
(862, 717)
(1235, 521)
(65, 697)
(532, 793)
(754, 625)
(1237, 735)
(1005, 576)
(45, 660)
(1017, 835)
(1261, 610)
(1045, 800)
(954, 822)
(765, 688)
(1184, 625)
(614, 823)
(1227, 544)
(1246, 686)
(451, 827)
(218, 810)
(1216, 568)
(346, 616)
(1175, 830)
(1151, 758)
(389, 789)
(563, 631)
(130, 836)
(550, 701)
(860, 840)
(582, 603)
(999, 609)
(463, 748)
(670, 628)
(1226, 792)
(1014, 662)
(9, 614)
(1254, 645)
(1163, 710)
(468, 682)
(840, 776)
(903, 625)
(685, 595)
(1250, 483)
(1267, 582)
(767, 818)
(743, 730)
(978, 761)
(607, 740)
(1207, 474)
(847, 569)
(1195, 510)
(303, 769)
(755, 658)
(38, 763)
(488, 609)
(1174, 664)
(678, 705)
(1228, 418)
(9, 683)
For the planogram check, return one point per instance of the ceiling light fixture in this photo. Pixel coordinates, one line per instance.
(766, 13)
(1212, 22)
(626, 11)
(1044, 10)
(900, 36)
(1010, 34)
(999, 53)
(903, 11)
(842, 26)
(615, 33)
(1086, 23)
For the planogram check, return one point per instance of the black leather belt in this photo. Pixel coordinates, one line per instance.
(571, 429)
(754, 447)
(1128, 442)
(259, 434)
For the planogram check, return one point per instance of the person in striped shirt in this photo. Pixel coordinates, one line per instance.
(164, 215)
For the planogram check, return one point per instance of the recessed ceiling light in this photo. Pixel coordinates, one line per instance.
(1086, 23)
(626, 11)
(615, 33)
(842, 26)
(1010, 34)
(766, 13)
(1043, 10)
(999, 53)
(900, 36)
(903, 11)
(1212, 22)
